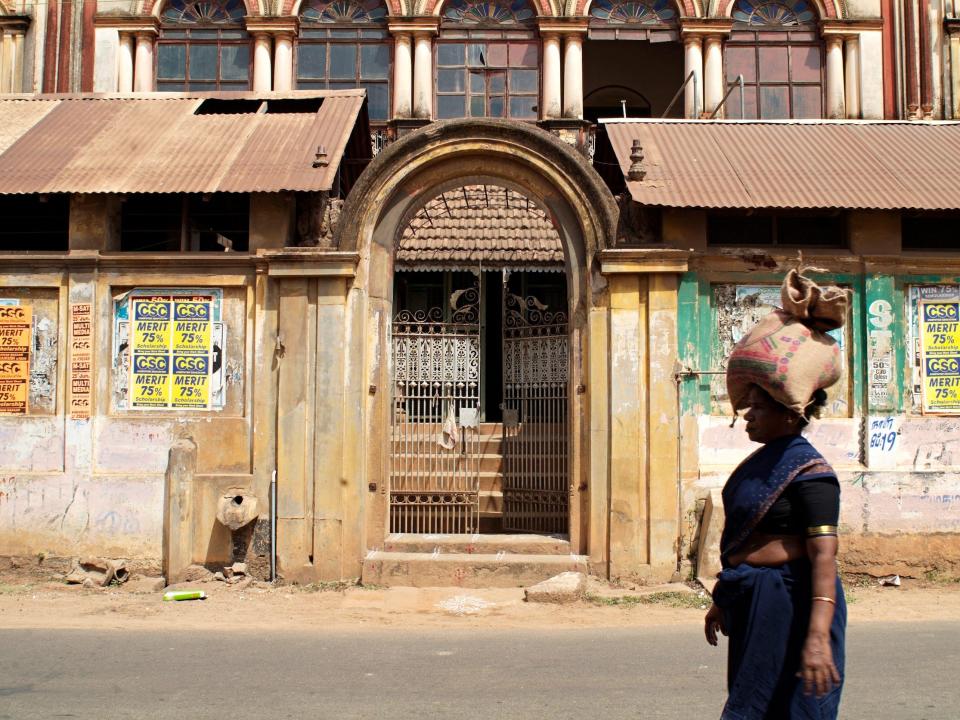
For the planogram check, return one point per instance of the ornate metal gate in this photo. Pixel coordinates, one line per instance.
(535, 442)
(435, 473)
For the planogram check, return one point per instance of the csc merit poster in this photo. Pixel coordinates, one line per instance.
(172, 347)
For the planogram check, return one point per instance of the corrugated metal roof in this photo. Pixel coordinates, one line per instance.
(159, 144)
(474, 223)
(793, 164)
(19, 117)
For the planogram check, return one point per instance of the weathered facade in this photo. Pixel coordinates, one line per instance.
(409, 309)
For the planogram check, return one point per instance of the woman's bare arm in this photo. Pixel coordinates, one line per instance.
(817, 668)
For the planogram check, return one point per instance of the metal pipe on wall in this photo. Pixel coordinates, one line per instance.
(273, 526)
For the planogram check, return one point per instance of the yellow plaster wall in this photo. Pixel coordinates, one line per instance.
(629, 507)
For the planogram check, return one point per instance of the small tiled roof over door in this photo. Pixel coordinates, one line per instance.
(475, 224)
(795, 164)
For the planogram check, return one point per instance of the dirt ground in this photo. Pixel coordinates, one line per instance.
(30, 600)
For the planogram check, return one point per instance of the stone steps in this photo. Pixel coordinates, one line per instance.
(411, 569)
(471, 544)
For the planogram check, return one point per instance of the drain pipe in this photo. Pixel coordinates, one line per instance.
(273, 526)
(682, 373)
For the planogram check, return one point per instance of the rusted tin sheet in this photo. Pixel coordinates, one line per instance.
(162, 144)
(803, 164)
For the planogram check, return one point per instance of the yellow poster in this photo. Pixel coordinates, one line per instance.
(191, 381)
(191, 326)
(151, 325)
(16, 323)
(150, 386)
(940, 347)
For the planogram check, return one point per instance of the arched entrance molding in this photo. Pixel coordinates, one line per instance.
(405, 176)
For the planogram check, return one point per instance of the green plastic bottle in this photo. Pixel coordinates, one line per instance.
(185, 595)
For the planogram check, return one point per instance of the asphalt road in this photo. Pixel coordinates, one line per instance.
(899, 671)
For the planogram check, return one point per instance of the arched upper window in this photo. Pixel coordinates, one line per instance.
(633, 12)
(487, 60)
(776, 47)
(203, 46)
(345, 44)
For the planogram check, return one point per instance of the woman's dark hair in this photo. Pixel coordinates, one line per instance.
(817, 403)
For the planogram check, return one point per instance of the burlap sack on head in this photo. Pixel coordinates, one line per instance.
(788, 353)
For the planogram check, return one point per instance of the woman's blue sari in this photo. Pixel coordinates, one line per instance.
(767, 610)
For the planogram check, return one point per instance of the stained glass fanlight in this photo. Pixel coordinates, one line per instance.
(634, 12)
(203, 12)
(488, 12)
(344, 11)
(775, 13)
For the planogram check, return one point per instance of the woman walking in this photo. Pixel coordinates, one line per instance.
(778, 597)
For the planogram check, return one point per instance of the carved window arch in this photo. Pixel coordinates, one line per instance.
(203, 12)
(345, 44)
(488, 12)
(203, 46)
(775, 45)
(633, 12)
(774, 13)
(487, 60)
(344, 11)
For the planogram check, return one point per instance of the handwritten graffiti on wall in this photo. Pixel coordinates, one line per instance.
(114, 522)
(941, 499)
(883, 434)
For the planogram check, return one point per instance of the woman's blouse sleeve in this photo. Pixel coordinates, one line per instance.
(818, 504)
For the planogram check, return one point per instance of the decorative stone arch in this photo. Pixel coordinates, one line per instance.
(685, 8)
(254, 7)
(826, 9)
(408, 174)
(394, 7)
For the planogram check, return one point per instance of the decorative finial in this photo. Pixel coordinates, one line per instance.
(320, 160)
(637, 171)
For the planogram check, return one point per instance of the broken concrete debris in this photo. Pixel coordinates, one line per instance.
(567, 587)
(233, 574)
(97, 572)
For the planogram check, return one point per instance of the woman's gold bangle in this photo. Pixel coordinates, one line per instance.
(825, 599)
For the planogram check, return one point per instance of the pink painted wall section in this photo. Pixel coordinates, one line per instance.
(132, 446)
(32, 444)
(909, 482)
(723, 446)
(118, 516)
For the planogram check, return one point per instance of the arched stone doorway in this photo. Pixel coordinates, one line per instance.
(480, 358)
(403, 179)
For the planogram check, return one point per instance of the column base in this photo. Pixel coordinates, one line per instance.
(405, 126)
(572, 131)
